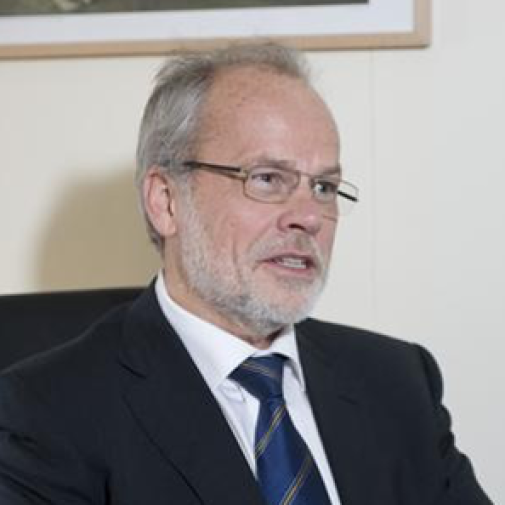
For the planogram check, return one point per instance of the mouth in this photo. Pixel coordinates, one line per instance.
(293, 264)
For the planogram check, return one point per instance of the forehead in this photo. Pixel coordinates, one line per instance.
(257, 104)
(247, 81)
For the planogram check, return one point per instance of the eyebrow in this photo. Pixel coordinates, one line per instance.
(289, 165)
(333, 170)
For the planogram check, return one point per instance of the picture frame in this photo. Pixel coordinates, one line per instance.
(371, 25)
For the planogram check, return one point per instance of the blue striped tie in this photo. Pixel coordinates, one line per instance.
(286, 471)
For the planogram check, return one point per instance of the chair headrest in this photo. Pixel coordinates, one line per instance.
(30, 323)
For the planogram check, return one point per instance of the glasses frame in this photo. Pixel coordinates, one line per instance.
(352, 193)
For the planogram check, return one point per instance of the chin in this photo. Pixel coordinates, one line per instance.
(288, 309)
(294, 298)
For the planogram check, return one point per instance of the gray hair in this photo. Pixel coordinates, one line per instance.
(169, 127)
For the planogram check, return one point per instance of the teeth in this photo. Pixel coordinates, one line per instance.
(292, 262)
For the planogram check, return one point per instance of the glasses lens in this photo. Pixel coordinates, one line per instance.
(269, 184)
(325, 190)
(275, 185)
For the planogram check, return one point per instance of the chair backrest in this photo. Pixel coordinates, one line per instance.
(30, 323)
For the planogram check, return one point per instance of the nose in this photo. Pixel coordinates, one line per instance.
(301, 212)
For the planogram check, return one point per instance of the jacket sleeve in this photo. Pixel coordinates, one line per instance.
(461, 486)
(38, 464)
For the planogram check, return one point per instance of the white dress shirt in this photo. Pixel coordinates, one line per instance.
(217, 353)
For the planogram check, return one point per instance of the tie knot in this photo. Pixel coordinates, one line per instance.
(262, 376)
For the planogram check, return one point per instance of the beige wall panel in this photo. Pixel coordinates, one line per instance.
(68, 133)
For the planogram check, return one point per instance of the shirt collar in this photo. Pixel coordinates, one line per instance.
(216, 352)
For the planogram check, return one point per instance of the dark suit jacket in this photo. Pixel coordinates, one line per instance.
(121, 416)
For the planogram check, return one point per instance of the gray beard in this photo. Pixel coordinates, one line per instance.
(236, 298)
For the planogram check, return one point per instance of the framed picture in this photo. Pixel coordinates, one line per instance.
(59, 28)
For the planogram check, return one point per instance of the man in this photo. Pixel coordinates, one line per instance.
(213, 387)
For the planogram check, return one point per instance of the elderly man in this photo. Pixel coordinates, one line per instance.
(213, 387)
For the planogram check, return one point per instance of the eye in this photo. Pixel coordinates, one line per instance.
(267, 179)
(325, 189)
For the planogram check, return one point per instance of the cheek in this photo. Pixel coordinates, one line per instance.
(225, 233)
(326, 241)
(246, 223)
(238, 237)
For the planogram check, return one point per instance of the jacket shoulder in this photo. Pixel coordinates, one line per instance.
(88, 351)
(337, 336)
(379, 360)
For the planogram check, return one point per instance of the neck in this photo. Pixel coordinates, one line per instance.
(226, 322)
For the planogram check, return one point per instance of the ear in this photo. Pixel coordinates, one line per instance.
(158, 191)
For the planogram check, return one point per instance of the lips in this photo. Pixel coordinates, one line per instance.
(296, 256)
(294, 262)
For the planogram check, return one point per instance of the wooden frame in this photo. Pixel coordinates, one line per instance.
(377, 24)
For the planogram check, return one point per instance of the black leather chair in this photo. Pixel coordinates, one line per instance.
(30, 323)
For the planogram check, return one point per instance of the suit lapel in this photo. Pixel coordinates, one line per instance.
(178, 413)
(339, 413)
(173, 405)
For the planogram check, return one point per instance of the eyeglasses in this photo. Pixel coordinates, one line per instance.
(270, 184)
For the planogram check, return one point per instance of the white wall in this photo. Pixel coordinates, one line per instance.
(422, 257)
